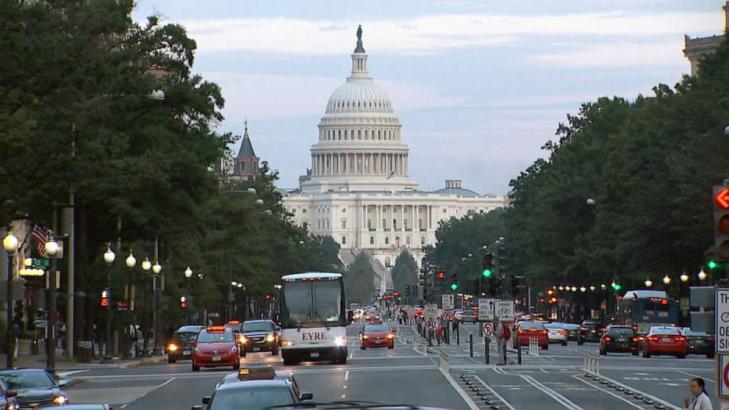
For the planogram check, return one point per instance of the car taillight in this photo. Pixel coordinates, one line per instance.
(680, 339)
(544, 332)
(635, 339)
(563, 332)
(607, 338)
(652, 338)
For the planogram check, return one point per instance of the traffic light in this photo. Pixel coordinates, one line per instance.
(183, 302)
(268, 297)
(105, 302)
(616, 286)
(487, 266)
(712, 264)
(441, 275)
(721, 223)
(454, 282)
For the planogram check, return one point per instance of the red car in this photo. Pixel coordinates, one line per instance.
(377, 335)
(215, 346)
(665, 340)
(527, 330)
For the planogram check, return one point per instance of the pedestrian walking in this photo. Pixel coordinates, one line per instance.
(699, 399)
(502, 334)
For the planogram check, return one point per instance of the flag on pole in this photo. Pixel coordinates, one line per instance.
(40, 234)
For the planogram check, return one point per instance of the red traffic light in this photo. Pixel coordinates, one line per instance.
(441, 275)
(396, 293)
(722, 198)
(268, 297)
(104, 302)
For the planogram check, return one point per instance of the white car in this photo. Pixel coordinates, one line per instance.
(557, 333)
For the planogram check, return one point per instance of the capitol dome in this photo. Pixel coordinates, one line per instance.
(359, 95)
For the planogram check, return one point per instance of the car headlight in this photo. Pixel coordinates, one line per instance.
(390, 336)
(340, 340)
(287, 342)
(172, 347)
(60, 400)
(270, 338)
(243, 340)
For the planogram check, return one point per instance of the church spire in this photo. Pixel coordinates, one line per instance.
(359, 59)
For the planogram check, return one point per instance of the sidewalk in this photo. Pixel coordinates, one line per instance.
(64, 364)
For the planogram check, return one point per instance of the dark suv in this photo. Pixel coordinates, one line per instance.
(620, 339)
(182, 343)
(259, 336)
(590, 331)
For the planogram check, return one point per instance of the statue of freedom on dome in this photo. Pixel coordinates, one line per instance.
(360, 48)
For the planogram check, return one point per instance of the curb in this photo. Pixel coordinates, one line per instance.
(151, 361)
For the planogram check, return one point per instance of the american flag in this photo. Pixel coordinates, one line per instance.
(40, 234)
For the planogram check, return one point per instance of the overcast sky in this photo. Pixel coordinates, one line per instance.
(479, 86)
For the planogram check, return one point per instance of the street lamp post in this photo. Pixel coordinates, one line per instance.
(109, 257)
(10, 244)
(146, 267)
(156, 270)
(51, 248)
(131, 261)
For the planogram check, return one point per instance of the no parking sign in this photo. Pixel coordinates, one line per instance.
(724, 376)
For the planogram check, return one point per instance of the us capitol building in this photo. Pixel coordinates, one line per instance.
(358, 190)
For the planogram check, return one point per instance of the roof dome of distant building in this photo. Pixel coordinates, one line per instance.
(453, 187)
(359, 95)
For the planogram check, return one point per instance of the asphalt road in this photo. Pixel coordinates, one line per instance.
(441, 376)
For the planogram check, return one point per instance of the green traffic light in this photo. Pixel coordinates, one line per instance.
(454, 286)
(487, 273)
(712, 265)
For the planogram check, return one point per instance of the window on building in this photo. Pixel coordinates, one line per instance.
(344, 240)
(359, 134)
(344, 224)
(344, 209)
(407, 241)
(384, 224)
(303, 210)
(394, 224)
(388, 263)
(422, 240)
(372, 240)
(445, 210)
(387, 240)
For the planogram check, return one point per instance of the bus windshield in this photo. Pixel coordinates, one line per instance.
(312, 303)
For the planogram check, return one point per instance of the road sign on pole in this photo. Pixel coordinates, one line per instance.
(505, 310)
(448, 302)
(724, 376)
(486, 308)
(721, 320)
(488, 329)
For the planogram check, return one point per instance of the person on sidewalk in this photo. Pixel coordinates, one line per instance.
(699, 400)
(502, 334)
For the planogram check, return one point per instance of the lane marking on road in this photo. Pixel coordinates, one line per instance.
(346, 375)
(696, 375)
(70, 372)
(650, 396)
(607, 392)
(544, 370)
(471, 404)
(551, 393)
(497, 395)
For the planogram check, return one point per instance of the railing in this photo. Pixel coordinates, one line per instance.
(534, 346)
(592, 366)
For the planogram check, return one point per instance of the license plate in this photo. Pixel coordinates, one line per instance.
(256, 349)
(314, 354)
(665, 340)
(216, 358)
(185, 353)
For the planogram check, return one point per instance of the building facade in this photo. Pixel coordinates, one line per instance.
(358, 189)
(697, 48)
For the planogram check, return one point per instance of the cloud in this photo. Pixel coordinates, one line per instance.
(665, 54)
(427, 34)
(267, 96)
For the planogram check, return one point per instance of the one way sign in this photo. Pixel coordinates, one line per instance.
(486, 309)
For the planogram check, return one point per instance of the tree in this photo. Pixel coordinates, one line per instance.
(359, 280)
(405, 272)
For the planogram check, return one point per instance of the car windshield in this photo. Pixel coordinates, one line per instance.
(377, 328)
(257, 327)
(591, 324)
(186, 336)
(571, 326)
(692, 333)
(252, 398)
(664, 331)
(27, 379)
(215, 337)
(620, 331)
(311, 303)
(553, 326)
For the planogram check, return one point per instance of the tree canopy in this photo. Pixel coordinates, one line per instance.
(359, 279)
(405, 272)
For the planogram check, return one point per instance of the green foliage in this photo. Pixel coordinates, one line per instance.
(405, 271)
(359, 280)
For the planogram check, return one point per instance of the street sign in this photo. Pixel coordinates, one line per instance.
(121, 306)
(724, 376)
(486, 309)
(721, 320)
(505, 310)
(448, 302)
(488, 329)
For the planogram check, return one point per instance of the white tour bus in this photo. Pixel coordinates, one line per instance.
(313, 318)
